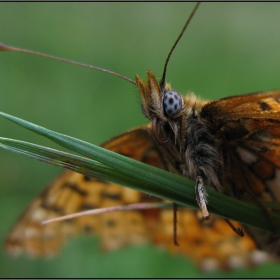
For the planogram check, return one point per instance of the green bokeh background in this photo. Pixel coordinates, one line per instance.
(229, 48)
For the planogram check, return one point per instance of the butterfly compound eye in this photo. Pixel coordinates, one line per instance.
(172, 103)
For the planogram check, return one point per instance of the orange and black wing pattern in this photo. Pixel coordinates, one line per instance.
(250, 129)
(211, 245)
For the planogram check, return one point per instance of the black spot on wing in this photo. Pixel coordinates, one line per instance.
(264, 106)
(75, 187)
(113, 196)
(53, 208)
(111, 223)
(234, 130)
(88, 229)
(88, 206)
(87, 178)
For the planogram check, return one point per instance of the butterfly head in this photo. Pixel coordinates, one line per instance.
(162, 105)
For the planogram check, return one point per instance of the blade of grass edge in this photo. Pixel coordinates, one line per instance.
(79, 164)
(175, 188)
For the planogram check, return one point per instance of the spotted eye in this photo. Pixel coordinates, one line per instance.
(172, 103)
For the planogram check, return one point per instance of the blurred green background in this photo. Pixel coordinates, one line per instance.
(228, 49)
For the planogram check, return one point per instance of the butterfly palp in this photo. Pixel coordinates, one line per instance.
(172, 103)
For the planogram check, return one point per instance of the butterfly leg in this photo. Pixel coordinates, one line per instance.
(238, 230)
(201, 197)
(175, 208)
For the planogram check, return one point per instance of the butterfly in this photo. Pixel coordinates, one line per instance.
(262, 104)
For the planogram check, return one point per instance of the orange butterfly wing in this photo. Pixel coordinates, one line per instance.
(250, 125)
(262, 105)
(211, 244)
(72, 192)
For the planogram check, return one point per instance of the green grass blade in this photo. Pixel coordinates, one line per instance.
(134, 174)
(73, 162)
(121, 163)
(89, 167)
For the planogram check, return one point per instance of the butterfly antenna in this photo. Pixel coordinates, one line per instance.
(14, 49)
(162, 82)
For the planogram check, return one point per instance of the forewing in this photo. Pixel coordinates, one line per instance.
(264, 105)
(249, 129)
